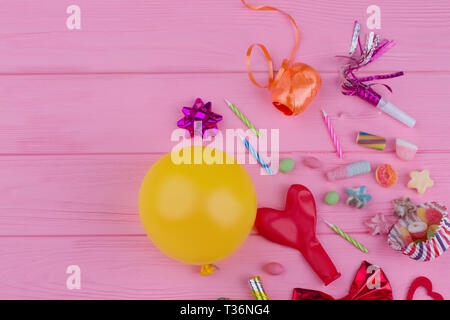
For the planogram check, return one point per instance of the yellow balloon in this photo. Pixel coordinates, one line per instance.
(197, 213)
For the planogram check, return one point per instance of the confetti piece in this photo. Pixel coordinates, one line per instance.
(207, 269)
(355, 37)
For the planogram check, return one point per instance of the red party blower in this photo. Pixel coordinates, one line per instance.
(295, 227)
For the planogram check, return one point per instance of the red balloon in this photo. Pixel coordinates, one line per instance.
(295, 227)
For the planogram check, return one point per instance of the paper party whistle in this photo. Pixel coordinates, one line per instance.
(355, 86)
(359, 87)
(371, 141)
(395, 112)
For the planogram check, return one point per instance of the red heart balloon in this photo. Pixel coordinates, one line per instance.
(295, 227)
(426, 283)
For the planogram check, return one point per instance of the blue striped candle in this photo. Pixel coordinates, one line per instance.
(256, 155)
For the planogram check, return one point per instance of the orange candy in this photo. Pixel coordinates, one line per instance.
(386, 175)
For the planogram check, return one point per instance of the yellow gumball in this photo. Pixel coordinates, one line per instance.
(197, 211)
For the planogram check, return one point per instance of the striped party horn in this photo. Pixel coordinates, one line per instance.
(257, 289)
(347, 237)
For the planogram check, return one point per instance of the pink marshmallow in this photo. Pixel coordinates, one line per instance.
(405, 150)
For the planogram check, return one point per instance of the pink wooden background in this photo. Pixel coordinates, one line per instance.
(85, 113)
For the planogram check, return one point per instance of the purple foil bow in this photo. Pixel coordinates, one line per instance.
(199, 112)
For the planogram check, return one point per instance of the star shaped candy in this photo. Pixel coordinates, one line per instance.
(357, 197)
(420, 181)
(404, 207)
(199, 112)
(380, 224)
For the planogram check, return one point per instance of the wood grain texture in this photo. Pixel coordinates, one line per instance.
(131, 268)
(138, 113)
(198, 36)
(85, 113)
(67, 195)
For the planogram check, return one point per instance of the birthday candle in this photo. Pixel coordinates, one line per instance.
(332, 134)
(347, 237)
(243, 118)
(257, 289)
(256, 155)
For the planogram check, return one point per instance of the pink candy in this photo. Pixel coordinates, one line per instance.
(274, 268)
(349, 170)
(417, 229)
(405, 150)
(380, 224)
(312, 162)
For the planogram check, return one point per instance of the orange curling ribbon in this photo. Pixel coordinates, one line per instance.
(269, 63)
(294, 86)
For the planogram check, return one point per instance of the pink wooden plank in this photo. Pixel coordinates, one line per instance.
(137, 113)
(132, 268)
(47, 199)
(85, 195)
(205, 36)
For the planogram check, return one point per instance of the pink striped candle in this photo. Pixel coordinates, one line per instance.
(336, 143)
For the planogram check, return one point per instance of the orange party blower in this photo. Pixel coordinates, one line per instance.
(295, 85)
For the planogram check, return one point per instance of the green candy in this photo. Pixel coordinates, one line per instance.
(332, 197)
(286, 165)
